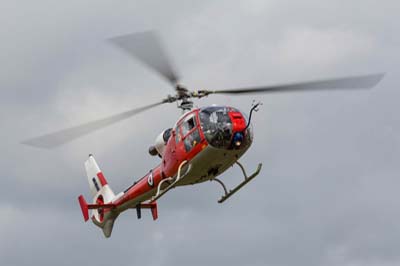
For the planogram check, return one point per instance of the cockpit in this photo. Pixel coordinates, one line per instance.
(224, 127)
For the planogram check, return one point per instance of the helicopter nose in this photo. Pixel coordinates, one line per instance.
(238, 128)
(238, 121)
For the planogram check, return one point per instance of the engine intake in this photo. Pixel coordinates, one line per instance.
(160, 143)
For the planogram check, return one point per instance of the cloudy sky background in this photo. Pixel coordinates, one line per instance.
(328, 192)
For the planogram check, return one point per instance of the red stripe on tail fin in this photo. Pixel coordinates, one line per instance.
(102, 179)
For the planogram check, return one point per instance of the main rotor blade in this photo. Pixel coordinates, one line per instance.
(61, 137)
(355, 82)
(147, 47)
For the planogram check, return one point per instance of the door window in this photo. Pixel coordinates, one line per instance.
(192, 139)
(190, 133)
(188, 125)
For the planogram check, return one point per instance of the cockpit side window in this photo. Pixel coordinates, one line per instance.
(192, 139)
(177, 134)
(188, 125)
(190, 133)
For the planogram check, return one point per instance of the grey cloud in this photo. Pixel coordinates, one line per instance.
(328, 192)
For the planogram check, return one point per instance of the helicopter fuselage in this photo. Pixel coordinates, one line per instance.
(207, 141)
(203, 143)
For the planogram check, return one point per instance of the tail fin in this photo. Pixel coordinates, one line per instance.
(97, 182)
(101, 193)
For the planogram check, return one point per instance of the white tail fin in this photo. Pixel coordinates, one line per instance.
(101, 193)
(97, 182)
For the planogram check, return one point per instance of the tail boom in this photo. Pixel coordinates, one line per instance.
(106, 206)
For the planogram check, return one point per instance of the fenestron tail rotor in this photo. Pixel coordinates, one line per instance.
(147, 48)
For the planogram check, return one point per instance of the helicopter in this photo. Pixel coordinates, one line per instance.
(199, 147)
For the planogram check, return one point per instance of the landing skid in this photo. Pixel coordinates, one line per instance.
(246, 180)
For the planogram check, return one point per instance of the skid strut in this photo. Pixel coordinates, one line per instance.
(160, 192)
(246, 180)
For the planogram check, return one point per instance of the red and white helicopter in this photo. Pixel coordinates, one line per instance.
(199, 147)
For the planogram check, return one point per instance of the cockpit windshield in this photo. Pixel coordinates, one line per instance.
(217, 125)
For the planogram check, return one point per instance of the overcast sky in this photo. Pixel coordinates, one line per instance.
(327, 194)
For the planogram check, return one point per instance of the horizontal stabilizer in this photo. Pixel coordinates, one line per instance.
(86, 207)
(100, 206)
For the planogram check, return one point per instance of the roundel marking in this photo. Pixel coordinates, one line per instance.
(150, 179)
